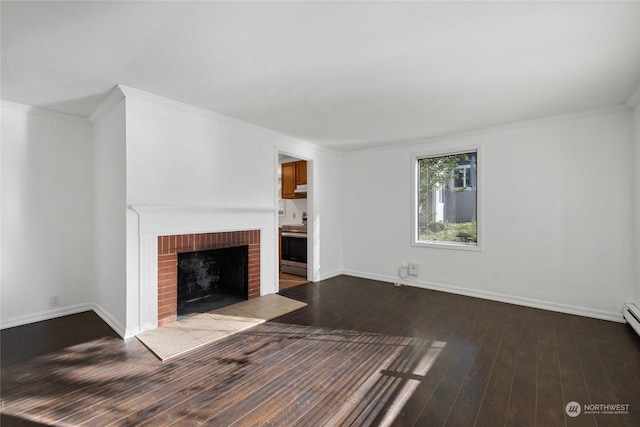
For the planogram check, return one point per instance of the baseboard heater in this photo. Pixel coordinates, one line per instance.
(631, 313)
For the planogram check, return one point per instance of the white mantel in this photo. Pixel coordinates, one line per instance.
(167, 220)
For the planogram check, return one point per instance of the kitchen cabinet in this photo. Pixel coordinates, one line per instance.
(288, 180)
(301, 173)
(293, 175)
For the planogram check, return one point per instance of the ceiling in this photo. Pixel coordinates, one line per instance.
(345, 75)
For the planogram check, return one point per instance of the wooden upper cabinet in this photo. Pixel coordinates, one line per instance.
(293, 174)
(288, 180)
(301, 173)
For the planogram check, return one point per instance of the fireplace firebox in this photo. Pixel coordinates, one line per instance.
(211, 279)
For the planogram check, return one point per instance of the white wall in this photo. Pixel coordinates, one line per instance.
(293, 210)
(47, 214)
(558, 215)
(178, 155)
(110, 208)
(327, 215)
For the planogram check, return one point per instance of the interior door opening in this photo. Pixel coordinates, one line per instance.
(293, 221)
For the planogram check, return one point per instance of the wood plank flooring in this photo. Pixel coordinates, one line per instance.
(287, 281)
(361, 353)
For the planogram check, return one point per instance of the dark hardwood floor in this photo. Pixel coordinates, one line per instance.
(361, 353)
(286, 281)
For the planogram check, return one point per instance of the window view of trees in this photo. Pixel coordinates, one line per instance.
(447, 199)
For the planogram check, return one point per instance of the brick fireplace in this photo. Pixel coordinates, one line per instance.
(170, 246)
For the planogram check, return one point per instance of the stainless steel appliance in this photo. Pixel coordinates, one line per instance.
(294, 250)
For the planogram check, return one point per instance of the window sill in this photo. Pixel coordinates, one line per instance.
(447, 245)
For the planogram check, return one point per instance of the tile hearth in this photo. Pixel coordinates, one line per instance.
(193, 332)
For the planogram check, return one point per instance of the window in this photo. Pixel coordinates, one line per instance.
(462, 177)
(446, 200)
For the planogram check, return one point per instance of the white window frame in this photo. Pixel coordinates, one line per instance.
(415, 157)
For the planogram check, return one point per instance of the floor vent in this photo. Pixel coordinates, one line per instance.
(631, 313)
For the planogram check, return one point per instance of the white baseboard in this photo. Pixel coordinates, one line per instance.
(494, 296)
(45, 315)
(65, 311)
(110, 320)
(330, 275)
(631, 313)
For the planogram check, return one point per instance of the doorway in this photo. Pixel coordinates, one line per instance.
(293, 201)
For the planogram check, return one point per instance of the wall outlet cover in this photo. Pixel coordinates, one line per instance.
(54, 300)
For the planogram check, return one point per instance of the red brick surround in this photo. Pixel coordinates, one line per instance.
(170, 246)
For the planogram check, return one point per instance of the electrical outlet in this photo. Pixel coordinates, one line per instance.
(404, 270)
(414, 269)
(54, 300)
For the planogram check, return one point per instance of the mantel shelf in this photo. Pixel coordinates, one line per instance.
(142, 208)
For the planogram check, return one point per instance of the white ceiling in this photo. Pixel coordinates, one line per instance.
(341, 74)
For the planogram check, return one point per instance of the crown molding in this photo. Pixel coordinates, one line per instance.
(634, 99)
(612, 109)
(170, 103)
(44, 113)
(111, 100)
